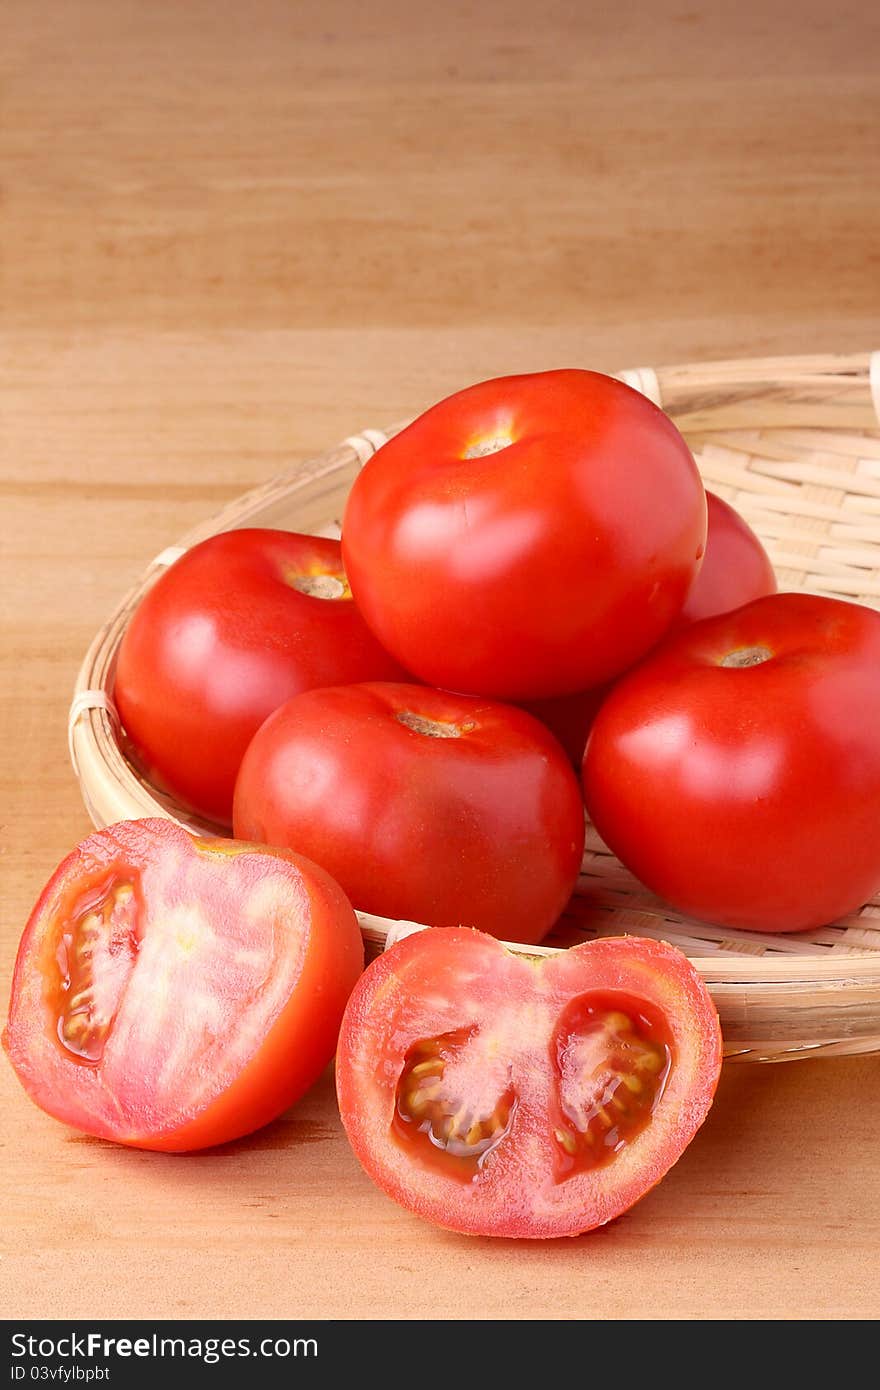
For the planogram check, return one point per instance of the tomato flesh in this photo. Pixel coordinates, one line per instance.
(501, 1094)
(96, 955)
(612, 1062)
(173, 993)
(429, 1110)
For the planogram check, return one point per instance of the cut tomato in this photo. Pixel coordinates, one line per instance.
(173, 993)
(500, 1094)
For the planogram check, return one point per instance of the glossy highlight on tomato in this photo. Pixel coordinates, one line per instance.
(736, 771)
(500, 1094)
(527, 537)
(235, 627)
(430, 807)
(174, 993)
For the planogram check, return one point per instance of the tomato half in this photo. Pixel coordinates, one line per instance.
(430, 807)
(235, 627)
(736, 771)
(529, 536)
(498, 1094)
(736, 568)
(173, 993)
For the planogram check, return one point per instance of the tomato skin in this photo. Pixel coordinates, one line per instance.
(485, 828)
(221, 640)
(154, 1092)
(439, 981)
(570, 718)
(540, 569)
(748, 796)
(736, 568)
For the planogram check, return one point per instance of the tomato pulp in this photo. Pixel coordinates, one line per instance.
(235, 627)
(736, 771)
(173, 993)
(435, 808)
(527, 537)
(498, 1094)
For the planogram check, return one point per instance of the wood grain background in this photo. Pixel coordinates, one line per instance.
(231, 234)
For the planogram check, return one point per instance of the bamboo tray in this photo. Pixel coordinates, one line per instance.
(794, 444)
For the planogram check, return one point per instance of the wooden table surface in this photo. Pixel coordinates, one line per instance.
(231, 235)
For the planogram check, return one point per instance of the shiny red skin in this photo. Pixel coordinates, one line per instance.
(736, 568)
(221, 640)
(225, 1018)
(749, 796)
(437, 982)
(570, 718)
(542, 568)
(485, 829)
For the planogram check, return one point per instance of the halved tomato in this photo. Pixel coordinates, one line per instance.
(173, 993)
(499, 1094)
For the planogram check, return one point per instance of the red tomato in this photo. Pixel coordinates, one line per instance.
(172, 993)
(237, 626)
(570, 718)
(736, 568)
(425, 806)
(527, 537)
(737, 770)
(505, 1096)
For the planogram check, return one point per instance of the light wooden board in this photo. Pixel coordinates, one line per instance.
(233, 234)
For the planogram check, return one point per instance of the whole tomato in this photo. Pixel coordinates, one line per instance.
(736, 771)
(235, 627)
(425, 806)
(736, 568)
(529, 536)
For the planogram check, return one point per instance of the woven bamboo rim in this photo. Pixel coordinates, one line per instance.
(794, 444)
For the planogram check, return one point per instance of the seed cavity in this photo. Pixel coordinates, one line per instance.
(456, 1134)
(327, 586)
(743, 657)
(433, 728)
(612, 1066)
(95, 958)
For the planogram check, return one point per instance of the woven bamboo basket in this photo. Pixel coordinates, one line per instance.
(794, 444)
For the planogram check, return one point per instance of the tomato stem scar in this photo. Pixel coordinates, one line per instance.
(488, 446)
(321, 586)
(746, 656)
(433, 728)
